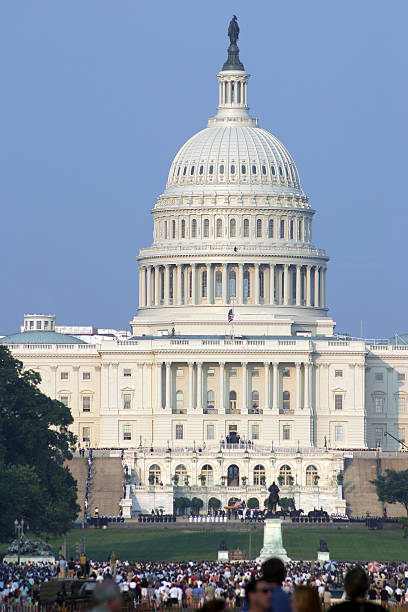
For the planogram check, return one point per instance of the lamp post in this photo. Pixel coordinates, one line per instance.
(19, 530)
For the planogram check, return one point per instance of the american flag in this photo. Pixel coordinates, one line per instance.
(230, 315)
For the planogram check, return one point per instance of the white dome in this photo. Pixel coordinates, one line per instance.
(248, 157)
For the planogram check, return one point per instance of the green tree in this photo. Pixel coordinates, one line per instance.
(392, 487)
(253, 503)
(181, 504)
(34, 443)
(215, 503)
(286, 503)
(196, 504)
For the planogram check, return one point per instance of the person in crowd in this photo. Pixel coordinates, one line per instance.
(259, 595)
(356, 585)
(306, 599)
(274, 572)
(107, 597)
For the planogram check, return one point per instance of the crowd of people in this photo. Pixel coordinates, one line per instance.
(209, 583)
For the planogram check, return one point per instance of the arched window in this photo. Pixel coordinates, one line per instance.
(261, 283)
(194, 228)
(312, 476)
(282, 228)
(263, 169)
(233, 476)
(232, 401)
(232, 283)
(232, 169)
(173, 229)
(179, 400)
(204, 283)
(300, 229)
(243, 169)
(183, 228)
(165, 229)
(222, 169)
(291, 229)
(280, 171)
(246, 228)
(178, 171)
(218, 283)
(285, 475)
(273, 170)
(210, 399)
(181, 474)
(233, 228)
(154, 474)
(259, 228)
(206, 228)
(208, 474)
(286, 400)
(184, 170)
(253, 169)
(259, 475)
(255, 400)
(247, 284)
(192, 170)
(270, 228)
(211, 170)
(219, 228)
(171, 283)
(201, 170)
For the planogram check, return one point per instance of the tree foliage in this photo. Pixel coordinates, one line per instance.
(287, 503)
(214, 502)
(392, 487)
(34, 443)
(196, 503)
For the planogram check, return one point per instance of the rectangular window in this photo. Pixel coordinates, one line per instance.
(401, 434)
(127, 401)
(127, 373)
(285, 432)
(86, 403)
(232, 428)
(64, 375)
(210, 372)
(45, 324)
(401, 376)
(38, 324)
(64, 399)
(378, 436)
(338, 402)
(210, 431)
(179, 432)
(286, 372)
(378, 403)
(338, 373)
(86, 434)
(179, 372)
(127, 432)
(232, 372)
(402, 403)
(255, 431)
(338, 433)
(86, 376)
(379, 377)
(255, 372)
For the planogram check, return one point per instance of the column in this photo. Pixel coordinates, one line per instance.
(266, 402)
(286, 284)
(224, 283)
(159, 387)
(140, 287)
(244, 387)
(240, 287)
(200, 386)
(323, 287)
(191, 384)
(298, 285)
(157, 285)
(307, 386)
(149, 286)
(209, 284)
(143, 286)
(275, 390)
(166, 300)
(193, 283)
(222, 388)
(298, 388)
(256, 283)
(271, 284)
(179, 285)
(308, 286)
(168, 385)
(316, 286)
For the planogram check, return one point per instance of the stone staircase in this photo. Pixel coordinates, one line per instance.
(78, 466)
(107, 486)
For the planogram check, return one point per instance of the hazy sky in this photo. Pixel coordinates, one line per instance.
(97, 96)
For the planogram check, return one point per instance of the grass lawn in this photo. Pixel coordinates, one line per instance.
(156, 544)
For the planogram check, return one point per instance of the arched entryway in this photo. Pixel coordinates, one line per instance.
(233, 476)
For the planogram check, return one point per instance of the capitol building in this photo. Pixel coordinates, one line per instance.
(232, 376)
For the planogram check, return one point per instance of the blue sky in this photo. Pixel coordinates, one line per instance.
(98, 95)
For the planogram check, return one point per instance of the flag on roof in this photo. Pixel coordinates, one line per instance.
(230, 315)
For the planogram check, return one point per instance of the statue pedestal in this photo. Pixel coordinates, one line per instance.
(323, 557)
(272, 544)
(223, 555)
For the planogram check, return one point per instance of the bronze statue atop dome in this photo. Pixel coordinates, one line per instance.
(233, 62)
(233, 30)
